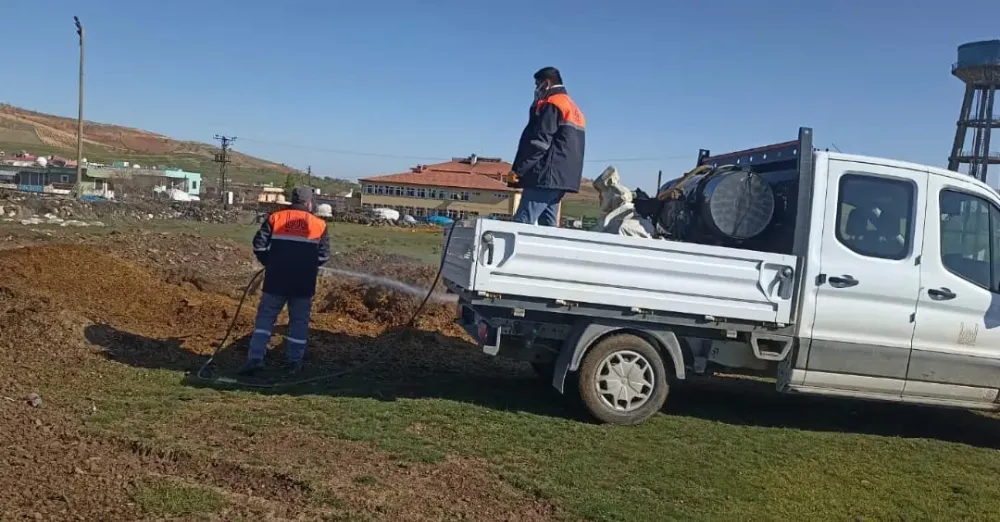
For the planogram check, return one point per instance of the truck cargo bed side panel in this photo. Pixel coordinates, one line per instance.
(648, 274)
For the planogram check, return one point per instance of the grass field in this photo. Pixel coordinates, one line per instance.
(421, 244)
(581, 209)
(716, 455)
(720, 452)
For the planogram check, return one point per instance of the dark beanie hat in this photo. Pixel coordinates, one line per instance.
(301, 195)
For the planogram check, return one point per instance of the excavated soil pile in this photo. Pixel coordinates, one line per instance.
(40, 343)
(208, 264)
(105, 289)
(160, 318)
(385, 290)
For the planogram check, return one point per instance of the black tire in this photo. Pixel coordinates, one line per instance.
(627, 346)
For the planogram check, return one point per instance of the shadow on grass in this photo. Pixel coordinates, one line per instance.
(402, 363)
(415, 364)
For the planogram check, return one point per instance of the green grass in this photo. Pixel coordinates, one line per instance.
(718, 456)
(344, 237)
(166, 498)
(423, 245)
(580, 209)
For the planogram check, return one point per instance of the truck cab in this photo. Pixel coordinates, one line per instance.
(901, 280)
(880, 280)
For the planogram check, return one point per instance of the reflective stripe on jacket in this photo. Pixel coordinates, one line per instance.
(291, 244)
(550, 152)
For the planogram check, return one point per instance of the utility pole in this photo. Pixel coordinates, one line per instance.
(79, 117)
(659, 183)
(309, 177)
(222, 158)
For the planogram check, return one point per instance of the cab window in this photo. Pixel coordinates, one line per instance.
(875, 215)
(970, 238)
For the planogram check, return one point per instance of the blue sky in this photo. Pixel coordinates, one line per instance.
(442, 78)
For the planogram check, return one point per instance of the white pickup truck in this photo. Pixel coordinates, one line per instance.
(886, 306)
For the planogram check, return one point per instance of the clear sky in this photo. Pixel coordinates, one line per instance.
(414, 80)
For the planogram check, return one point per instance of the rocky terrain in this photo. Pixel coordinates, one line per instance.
(30, 209)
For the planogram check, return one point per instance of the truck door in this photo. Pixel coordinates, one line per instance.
(956, 344)
(866, 290)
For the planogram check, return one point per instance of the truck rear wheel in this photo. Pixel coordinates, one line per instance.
(622, 380)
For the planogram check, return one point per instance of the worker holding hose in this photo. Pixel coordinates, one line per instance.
(549, 159)
(292, 244)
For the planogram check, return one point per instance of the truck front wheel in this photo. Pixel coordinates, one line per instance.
(623, 380)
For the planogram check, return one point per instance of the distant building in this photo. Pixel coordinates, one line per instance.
(460, 188)
(192, 179)
(56, 180)
(29, 173)
(271, 195)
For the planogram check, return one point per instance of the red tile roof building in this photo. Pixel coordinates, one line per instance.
(459, 188)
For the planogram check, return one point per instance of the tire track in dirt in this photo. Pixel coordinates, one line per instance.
(217, 472)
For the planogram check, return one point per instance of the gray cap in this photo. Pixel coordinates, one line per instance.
(301, 195)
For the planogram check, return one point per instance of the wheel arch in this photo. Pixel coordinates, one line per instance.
(587, 334)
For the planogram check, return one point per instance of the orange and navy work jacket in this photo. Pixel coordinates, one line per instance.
(550, 152)
(291, 244)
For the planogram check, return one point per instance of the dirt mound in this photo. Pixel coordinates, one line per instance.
(40, 343)
(209, 264)
(375, 262)
(107, 289)
(370, 303)
(371, 286)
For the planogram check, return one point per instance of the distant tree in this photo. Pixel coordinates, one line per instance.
(289, 186)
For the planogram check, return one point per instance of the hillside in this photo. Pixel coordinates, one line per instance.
(40, 133)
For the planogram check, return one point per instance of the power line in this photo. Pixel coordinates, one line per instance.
(437, 158)
(344, 152)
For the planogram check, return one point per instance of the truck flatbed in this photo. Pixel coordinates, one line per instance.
(502, 259)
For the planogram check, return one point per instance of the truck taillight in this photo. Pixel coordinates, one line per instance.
(483, 332)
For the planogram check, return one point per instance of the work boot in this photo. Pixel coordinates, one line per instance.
(250, 367)
(293, 368)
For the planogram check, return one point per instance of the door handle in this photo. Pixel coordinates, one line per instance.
(940, 294)
(843, 281)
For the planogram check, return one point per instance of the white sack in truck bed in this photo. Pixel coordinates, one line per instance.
(619, 216)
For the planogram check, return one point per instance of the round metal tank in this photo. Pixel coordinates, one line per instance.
(979, 54)
(978, 63)
(738, 205)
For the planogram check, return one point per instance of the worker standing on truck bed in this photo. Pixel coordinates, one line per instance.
(549, 159)
(292, 244)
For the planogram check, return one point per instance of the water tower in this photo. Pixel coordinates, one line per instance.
(978, 66)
